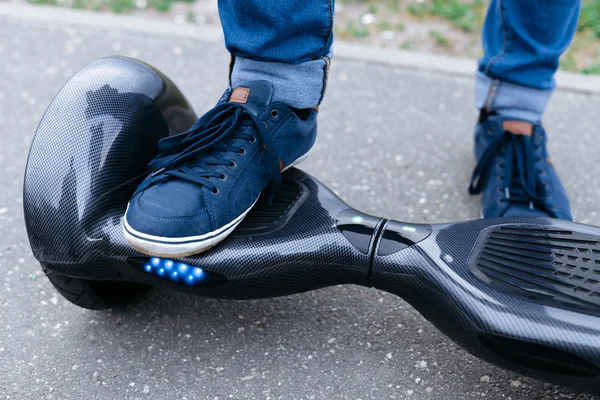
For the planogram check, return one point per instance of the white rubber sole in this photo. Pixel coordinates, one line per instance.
(178, 247)
(159, 246)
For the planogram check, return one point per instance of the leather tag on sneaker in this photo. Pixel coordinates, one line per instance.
(518, 127)
(239, 95)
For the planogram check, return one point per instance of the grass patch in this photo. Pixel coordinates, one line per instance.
(593, 70)
(116, 6)
(352, 29)
(439, 38)
(384, 26)
(465, 16)
(468, 16)
(589, 18)
(405, 45)
(418, 9)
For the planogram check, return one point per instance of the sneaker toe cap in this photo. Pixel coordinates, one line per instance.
(154, 212)
(172, 199)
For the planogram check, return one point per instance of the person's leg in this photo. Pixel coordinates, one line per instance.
(287, 43)
(207, 179)
(522, 42)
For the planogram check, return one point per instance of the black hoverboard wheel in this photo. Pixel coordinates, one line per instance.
(521, 293)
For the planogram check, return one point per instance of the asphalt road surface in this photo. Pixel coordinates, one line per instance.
(393, 142)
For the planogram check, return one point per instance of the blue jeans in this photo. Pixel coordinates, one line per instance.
(288, 42)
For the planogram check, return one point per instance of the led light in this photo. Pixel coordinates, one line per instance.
(173, 270)
(357, 219)
(182, 268)
(409, 229)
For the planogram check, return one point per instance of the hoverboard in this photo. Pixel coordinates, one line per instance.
(521, 293)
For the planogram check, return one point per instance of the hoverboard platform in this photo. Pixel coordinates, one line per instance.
(522, 293)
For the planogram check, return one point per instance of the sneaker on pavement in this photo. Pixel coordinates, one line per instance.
(514, 174)
(205, 180)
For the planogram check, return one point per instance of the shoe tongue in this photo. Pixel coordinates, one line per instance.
(254, 96)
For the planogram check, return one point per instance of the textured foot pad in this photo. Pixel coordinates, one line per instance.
(559, 267)
(265, 217)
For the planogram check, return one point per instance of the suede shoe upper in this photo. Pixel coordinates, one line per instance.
(210, 175)
(514, 174)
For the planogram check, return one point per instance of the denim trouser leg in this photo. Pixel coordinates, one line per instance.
(522, 42)
(285, 42)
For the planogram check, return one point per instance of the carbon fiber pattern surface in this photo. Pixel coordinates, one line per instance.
(99, 132)
(434, 277)
(305, 253)
(91, 150)
(264, 217)
(545, 265)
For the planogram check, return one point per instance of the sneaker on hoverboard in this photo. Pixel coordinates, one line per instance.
(205, 180)
(514, 173)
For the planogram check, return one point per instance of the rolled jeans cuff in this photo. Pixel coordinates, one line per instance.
(296, 85)
(510, 100)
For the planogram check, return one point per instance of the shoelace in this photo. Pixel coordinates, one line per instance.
(520, 149)
(210, 134)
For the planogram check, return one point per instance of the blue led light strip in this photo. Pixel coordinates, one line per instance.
(174, 271)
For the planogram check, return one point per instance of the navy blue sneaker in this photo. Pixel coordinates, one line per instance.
(205, 180)
(514, 173)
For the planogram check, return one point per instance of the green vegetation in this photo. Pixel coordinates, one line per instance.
(190, 17)
(590, 17)
(463, 14)
(467, 16)
(593, 70)
(352, 30)
(418, 9)
(460, 19)
(116, 6)
(384, 26)
(439, 38)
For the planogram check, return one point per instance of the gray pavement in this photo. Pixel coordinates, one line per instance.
(393, 142)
